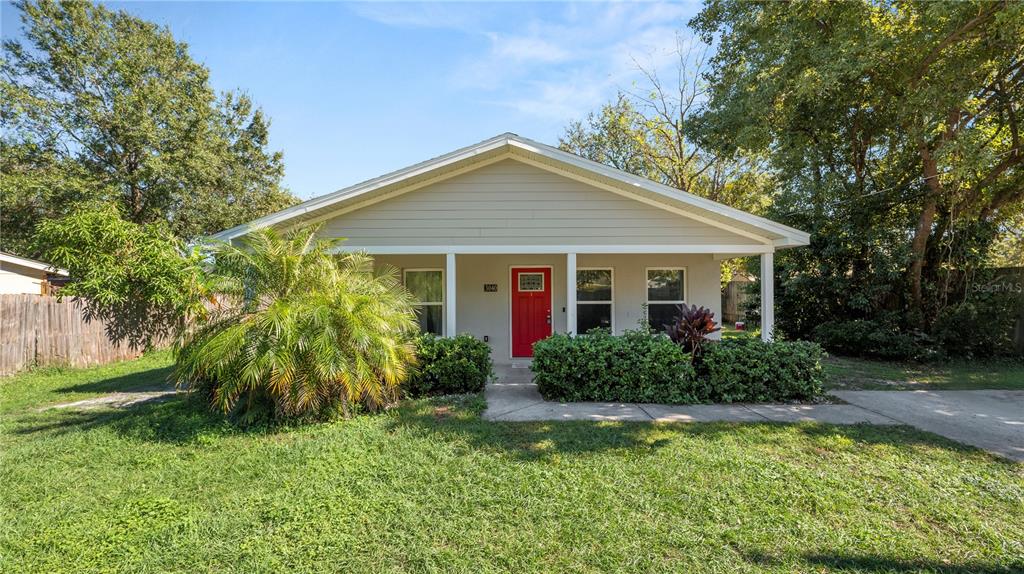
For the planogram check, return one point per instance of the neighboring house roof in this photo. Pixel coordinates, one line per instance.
(510, 145)
(31, 264)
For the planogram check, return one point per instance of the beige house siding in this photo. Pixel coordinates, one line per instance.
(483, 313)
(20, 279)
(512, 203)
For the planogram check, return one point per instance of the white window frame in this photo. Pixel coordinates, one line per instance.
(611, 271)
(647, 292)
(444, 294)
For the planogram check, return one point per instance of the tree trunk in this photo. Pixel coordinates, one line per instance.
(923, 230)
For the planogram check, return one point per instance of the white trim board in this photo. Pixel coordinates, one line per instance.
(512, 146)
(554, 249)
(31, 264)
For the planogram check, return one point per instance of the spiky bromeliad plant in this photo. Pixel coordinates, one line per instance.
(691, 328)
(299, 331)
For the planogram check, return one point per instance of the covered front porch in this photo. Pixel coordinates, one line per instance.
(512, 297)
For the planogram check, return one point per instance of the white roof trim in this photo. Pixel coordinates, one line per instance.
(730, 250)
(790, 237)
(32, 264)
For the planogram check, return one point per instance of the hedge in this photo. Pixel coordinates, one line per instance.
(449, 366)
(750, 370)
(635, 367)
(639, 367)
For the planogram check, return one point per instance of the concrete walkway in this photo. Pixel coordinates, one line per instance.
(118, 400)
(990, 420)
(513, 397)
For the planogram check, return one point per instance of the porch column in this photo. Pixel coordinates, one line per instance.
(449, 296)
(570, 292)
(767, 296)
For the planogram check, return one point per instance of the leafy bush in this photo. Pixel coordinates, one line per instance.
(649, 368)
(980, 327)
(635, 367)
(880, 339)
(449, 366)
(751, 370)
(144, 283)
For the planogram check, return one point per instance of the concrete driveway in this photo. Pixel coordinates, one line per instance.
(990, 420)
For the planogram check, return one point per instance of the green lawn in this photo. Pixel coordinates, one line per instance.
(854, 374)
(431, 487)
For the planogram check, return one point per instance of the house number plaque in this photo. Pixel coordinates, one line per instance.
(490, 287)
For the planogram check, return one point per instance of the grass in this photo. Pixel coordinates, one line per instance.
(848, 373)
(430, 487)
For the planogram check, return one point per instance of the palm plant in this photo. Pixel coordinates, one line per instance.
(298, 329)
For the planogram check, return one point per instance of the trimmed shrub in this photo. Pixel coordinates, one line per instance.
(449, 366)
(635, 367)
(640, 367)
(750, 370)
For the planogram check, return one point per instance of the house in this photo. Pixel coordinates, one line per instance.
(22, 275)
(510, 240)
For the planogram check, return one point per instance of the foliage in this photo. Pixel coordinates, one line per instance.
(299, 332)
(647, 368)
(880, 337)
(39, 185)
(751, 370)
(982, 326)
(1008, 249)
(449, 366)
(101, 105)
(649, 133)
(141, 280)
(154, 488)
(894, 131)
(691, 328)
(634, 367)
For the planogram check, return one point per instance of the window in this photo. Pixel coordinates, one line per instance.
(531, 281)
(593, 299)
(666, 288)
(427, 286)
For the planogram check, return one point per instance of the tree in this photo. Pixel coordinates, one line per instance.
(114, 107)
(299, 330)
(139, 279)
(904, 118)
(648, 133)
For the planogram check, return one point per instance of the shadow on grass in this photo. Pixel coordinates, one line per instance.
(177, 420)
(888, 565)
(457, 420)
(148, 380)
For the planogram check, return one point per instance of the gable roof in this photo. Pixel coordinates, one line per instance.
(509, 145)
(31, 264)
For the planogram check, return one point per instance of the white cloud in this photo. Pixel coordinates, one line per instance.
(554, 68)
(526, 49)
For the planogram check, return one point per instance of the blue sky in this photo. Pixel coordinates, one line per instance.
(357, 90)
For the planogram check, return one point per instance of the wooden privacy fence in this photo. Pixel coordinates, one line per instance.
(37, 330)
(733, 297)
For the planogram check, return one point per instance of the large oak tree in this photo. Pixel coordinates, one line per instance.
(909, 107)
(98, 105)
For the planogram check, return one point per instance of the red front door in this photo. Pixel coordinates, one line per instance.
(531, 308)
